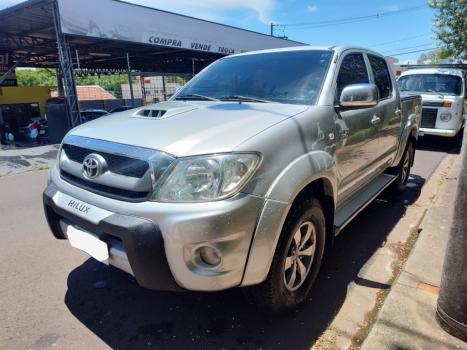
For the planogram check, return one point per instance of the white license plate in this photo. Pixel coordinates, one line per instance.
(41, 132)
(88, 243)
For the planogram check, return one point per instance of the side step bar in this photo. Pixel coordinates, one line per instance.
(359, 201)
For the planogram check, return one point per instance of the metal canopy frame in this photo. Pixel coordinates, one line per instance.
(31, 33)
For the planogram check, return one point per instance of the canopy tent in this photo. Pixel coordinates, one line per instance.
(111, 34)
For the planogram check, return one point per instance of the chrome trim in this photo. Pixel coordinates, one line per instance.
(115, 148)
(108, 178)
(158, 163)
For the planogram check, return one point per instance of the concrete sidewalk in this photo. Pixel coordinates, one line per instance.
(13, 161)
(407, 318)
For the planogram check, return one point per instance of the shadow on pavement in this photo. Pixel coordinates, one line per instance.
(123, 315)
(451, 145)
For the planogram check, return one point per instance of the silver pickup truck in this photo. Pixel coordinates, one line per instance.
(243, 178)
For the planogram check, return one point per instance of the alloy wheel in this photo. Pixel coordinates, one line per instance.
(300, 256)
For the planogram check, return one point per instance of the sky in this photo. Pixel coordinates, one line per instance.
(391, 27)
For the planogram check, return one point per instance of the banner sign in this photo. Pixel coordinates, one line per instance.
(5, 64)
(128, 22)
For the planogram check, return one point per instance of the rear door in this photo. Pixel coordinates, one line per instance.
(357, 147)
(387, 114)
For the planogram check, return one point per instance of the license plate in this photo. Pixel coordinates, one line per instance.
(88, 243)
(41, 132)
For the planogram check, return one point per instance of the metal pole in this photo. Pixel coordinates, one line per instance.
(143, 89)
(60, 89)
(163, 88)
(452, 302)
(272, 29)
(130, 80)
(77, 59)
(66, 66)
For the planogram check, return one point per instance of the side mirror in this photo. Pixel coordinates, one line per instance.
(357, 96)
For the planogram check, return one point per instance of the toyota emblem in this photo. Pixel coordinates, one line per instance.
(93, 165)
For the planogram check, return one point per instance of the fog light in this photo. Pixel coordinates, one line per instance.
(210, 256)
(445, 117)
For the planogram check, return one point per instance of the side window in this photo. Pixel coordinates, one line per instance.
(352, 71)
(381, 74)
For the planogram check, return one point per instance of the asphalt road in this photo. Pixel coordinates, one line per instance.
(53, 296)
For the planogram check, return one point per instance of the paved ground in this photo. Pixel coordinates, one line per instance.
(407, 319)
(54, 296)
(13, 161)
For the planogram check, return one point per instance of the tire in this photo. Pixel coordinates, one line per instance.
(279, 292)
(403, 169)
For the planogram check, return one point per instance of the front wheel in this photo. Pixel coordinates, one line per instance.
(403, 169)
(296, 261)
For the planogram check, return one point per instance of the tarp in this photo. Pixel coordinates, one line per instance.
(118, 20)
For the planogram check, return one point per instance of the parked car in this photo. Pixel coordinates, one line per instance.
(443, 91)
(121, 109)
(243, 178)
(91, 114)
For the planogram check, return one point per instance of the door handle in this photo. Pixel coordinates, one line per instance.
(375, 120)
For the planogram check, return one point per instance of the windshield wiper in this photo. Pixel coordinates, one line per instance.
(195, 97)
(242, 99)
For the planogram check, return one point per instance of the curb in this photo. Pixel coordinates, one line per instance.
(358, 313)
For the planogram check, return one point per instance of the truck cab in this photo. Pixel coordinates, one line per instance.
(443, 92)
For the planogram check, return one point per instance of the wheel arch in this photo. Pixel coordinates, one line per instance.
(267, 234)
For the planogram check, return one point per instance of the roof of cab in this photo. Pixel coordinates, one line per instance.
(337, 48)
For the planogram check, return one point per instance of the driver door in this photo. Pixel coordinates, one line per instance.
(356, 131)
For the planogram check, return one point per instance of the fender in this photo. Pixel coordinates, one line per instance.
(279, 198)
(410, 128)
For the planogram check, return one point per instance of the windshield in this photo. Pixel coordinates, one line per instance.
(439, 83)
(287, 77)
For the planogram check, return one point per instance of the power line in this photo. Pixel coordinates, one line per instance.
(407, 52)
(407, 48)
(399, 40)
(348, 20)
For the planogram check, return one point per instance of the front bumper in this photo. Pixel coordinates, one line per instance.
(439, 132)
(160, 239)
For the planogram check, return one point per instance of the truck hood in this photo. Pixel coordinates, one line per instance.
(189, 128)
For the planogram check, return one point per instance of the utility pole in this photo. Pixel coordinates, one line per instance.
(272, 29)
(452, 302)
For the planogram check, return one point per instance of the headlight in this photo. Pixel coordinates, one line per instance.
(445, 116)
(207, 178)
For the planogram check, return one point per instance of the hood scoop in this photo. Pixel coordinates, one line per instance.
(159, 112)
(151, 113)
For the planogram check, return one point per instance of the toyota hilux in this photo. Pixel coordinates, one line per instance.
(243, 178)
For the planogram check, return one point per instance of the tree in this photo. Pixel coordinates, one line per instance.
(36, 77)
(451, 27)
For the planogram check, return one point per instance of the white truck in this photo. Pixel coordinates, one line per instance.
(443, 90)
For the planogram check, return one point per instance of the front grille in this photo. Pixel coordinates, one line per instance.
(117, 164)
(113, 192)
(429, 117)
(433, 104)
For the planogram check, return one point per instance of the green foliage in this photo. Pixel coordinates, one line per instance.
(451, 27)
(47, 77)
(36, 77)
